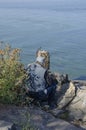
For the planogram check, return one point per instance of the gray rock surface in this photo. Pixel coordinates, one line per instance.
(71, 97)
(41, 119)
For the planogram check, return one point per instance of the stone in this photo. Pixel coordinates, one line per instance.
(4, 125)
(56, 112)
(67, 96)
(61, 78)
(15, 127)
(40, 119)
(77, 107)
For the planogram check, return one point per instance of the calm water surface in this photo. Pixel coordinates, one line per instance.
(61, 32)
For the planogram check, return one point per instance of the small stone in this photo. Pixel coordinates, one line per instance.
(5, 125)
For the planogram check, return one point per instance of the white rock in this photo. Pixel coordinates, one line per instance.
(68, 96)
(5, 125)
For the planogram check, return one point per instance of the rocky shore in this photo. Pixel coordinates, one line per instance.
(16, 118)
(70, 113)
(72, 98)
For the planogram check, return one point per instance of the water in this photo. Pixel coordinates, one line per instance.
(61, 32)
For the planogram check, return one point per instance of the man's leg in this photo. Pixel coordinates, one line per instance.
(51, 96)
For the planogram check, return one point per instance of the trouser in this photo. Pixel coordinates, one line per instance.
(51, 95)
(41, 96)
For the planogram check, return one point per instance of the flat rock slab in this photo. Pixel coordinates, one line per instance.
(45, 121)
(39, 118)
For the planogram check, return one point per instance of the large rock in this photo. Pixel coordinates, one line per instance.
(77, 107)
(66, 95)
(39, 118)
(45, 121)
(72, 97)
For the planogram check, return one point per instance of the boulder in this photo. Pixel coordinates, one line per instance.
(67, 94)
(72, 97)
(39, 119)
(77, 107)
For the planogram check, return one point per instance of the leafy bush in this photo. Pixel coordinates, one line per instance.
(12, 75)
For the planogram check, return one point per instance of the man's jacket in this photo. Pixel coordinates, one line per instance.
(36, 81)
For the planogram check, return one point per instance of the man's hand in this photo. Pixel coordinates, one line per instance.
(45, 91)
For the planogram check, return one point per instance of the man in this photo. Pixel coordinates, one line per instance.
(41, 83)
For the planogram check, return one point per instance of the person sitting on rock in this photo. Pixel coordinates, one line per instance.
(41, 82)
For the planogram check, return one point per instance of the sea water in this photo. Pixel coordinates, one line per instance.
(62, 32)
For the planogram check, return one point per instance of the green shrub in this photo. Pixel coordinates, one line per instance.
(12, 75)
